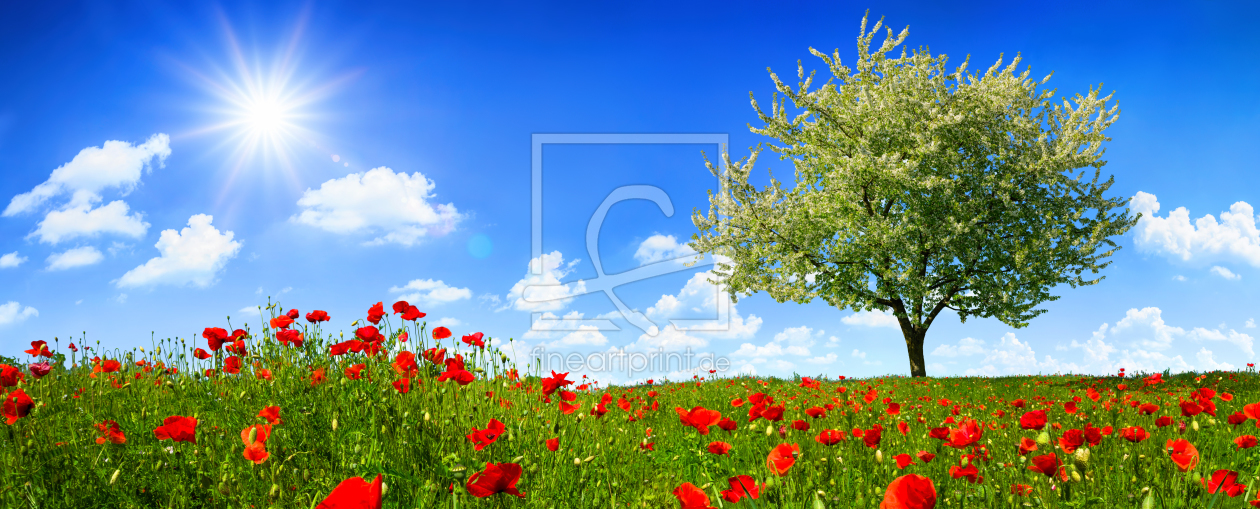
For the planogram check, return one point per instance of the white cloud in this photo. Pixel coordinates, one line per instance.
(447, 322)
(549, 323)
(85, 221)
(872, 319)
(116, 164)
(12, 312)
(586, 335)
(1234, 238)
(1251, 323)
(77, 257)
(395, 206)
(664, 247)
(859, 354)
(250, 309)
(832, 341)
(699, 299)
(965, 346)
(11, 260)
(542, 279)
(194, 255)
(792, 341)
(830, 358)
(1224, 273)
(1179, 277)
(430, 293)
(1145, 328)
(1206, 361)
(669, 338)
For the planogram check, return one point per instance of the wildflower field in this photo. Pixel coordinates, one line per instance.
(400, 415)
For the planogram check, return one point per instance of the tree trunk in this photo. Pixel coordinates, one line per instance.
(914, 346)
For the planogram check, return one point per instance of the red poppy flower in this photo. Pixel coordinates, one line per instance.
(800, 425)
(1026, 445)
(699, 418)
(354, 493)
(474, 340)
(555, 381)
(553, 444)
(281, 322)
(400, 306)
(903, 460)
(1245, 441)
(318, 377)
(893, 409)
(177, 428)
(355, 372)
(368, 333)
(215, 336)
(1183, 454)
(271, 413)
(647, 446)
(484, 437)
(405, 364)
(460, 376)
(1236, 418)
(1223, 480)
(17, 405)
(911, 491)
(816, 412)
(1163, 421)
(726, 423)
(236, 347)
(317, 316)
(201, 354)
(1022, 490)
(412, 314)
(110, 432)
(1134, 434)
(1190, 409)
(970, 472)
(741, 486)
(691, 497)
(232, 365)
(376, 312)
(256, 450)
(290, 336)
(830, 437)
(737, 402)
(402, 385)
(967, 433)
(435, 356)
(73, 348)
(925, 456)
(441, 333)
(39, 347)
(1071, 440)
(1047, 465)
(1035, 419)
(496, 478)
(720, 448)
(293, 314)
(1252, 411)
(774, 413)
(782, 457)
(871, 437)
(1148, 408)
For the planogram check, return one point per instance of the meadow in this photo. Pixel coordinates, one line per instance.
(397, 414)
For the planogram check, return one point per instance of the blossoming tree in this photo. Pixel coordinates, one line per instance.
(919, 190)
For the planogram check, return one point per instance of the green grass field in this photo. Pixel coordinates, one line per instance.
(621, 446)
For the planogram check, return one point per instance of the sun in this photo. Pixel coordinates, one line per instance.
(265, 116)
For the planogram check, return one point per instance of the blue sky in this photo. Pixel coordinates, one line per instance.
(166, 166)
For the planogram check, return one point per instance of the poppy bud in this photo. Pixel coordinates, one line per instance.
(517, 459)
(769, 430)
(384, 489)
(334, 424)
(706, 486)
(1198, 478)
(1043, 438)
(1194, 425)
(588, 459)
(459, 470)
(1076, 476)
(1082, 457)
(1149, 501)
(818, 503)
(253, 434)
(306, 474)
(275, 490)
(879, 456)
(577, 461)
(114, 477)
(426, 417)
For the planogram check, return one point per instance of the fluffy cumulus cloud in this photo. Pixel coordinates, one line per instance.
(116, 164)
(792, 341)
(84, 221)
(1224, 273)
(586, 335)
(430, 293)
(192, 256)
(11, 260)
(1139, 342)
(541, 288)
(872, 319)
(77, 257)
(658, 248)
(1233, 238)
(13, 312)
(396, 207)
(700, 300)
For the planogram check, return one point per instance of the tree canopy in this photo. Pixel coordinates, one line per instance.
(918, 190)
